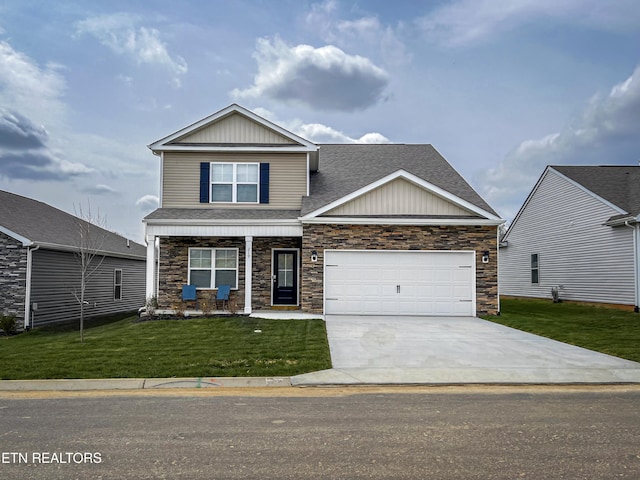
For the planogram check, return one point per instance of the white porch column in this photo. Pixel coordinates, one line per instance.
(248, 273)
(151, 266)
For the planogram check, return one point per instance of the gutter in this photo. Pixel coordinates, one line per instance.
(27, 294)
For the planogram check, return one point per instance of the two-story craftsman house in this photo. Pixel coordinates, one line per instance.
(328, 229)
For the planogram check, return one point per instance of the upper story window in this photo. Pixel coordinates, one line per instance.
(235, 182)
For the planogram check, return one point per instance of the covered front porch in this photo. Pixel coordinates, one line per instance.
(260, 262)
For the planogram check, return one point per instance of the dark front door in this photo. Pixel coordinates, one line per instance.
(285, 277)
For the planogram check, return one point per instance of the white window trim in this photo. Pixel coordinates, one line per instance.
(116, 284)
(234, 182)
(213, 267)
(537, 269)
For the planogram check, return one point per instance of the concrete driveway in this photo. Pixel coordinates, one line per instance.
(446, 350)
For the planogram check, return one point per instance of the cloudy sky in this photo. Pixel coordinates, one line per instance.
(500, 87)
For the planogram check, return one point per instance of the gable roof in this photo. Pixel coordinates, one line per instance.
(349, 168)
(617, 184)
(188, 138)
(34, 222)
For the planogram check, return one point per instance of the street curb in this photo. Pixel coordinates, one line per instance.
(141, 383)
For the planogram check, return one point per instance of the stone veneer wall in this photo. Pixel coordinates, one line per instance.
(262, 268)
(174, 269)
(13, 278)
(174, 258)
(393, 237)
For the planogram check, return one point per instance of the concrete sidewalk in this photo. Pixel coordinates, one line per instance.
(142, 383)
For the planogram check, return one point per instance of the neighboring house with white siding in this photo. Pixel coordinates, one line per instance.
(578, 231)
(327, 229)
(40, 267)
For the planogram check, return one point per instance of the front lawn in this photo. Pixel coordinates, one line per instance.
(604, 329)
(215, 347)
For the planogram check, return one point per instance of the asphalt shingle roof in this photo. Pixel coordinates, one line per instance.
(43, 224)
(618, 184)
(221, 214)
(345, 168)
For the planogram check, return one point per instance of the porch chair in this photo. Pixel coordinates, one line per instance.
(223, 295)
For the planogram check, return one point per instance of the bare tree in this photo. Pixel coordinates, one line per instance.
(91, 237)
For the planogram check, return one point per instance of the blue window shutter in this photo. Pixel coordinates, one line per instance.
(205, 183)
(264, 183)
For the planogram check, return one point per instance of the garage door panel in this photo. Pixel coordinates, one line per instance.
(404, 283)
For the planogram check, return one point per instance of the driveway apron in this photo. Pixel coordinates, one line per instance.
(456, 350)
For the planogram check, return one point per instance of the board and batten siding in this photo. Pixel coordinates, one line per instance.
(563, 224)
(181, 179)
(55, 274)
(398, 197)
(238, 129)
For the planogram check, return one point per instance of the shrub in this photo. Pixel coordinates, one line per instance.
(8, 324)
(179, 309)
(151, 305)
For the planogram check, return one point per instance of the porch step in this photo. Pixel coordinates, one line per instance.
(285, 307)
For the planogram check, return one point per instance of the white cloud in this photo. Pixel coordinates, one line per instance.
(605, 132)
(30, 89)
(319, 133)
(122, 35)
(148, 202)
(324, 78)
(99, 189)
(464, 22)
(363, 32)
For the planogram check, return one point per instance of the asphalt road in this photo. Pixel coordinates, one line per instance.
(415, 433)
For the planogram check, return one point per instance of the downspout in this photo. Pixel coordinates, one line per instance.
(27, 293)
(636, 263)
(498, 264)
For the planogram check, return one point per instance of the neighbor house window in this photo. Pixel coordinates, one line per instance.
(117, 284)
(235, 182)
(212, 267)
(535, 269)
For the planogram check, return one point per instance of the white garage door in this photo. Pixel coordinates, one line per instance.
(367, 282)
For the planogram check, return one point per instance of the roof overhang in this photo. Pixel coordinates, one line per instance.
(227, 228)
(312, 217)
(401, 221)
(623, 220)
(65, 248)
(24, 240)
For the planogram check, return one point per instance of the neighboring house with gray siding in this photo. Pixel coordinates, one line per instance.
(40, 267)
(578, 231)
(326, 229)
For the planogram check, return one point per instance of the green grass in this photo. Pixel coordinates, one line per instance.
(604, 329)
(216, 347)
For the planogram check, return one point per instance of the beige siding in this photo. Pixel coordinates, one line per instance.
(181, 179)
(236, 128)
(399, 197)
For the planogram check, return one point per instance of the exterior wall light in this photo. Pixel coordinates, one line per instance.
(314, 256)
(485, 256)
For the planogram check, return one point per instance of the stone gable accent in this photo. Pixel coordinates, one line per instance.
(13, 278)
(394, 237)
